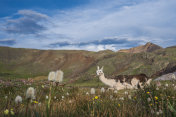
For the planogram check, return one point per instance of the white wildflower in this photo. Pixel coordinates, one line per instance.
(18, 99)
(111, 96)
(54, 97)
(157, 113)
(59, 76)
(129, 97)
(121, 98)
(87, 93)
(152, 111)
(30, 93)
(166, 85)
(51, 76)
(5, 97)
(160, 111)
(46, 97)
(148, 99)
(67, 93)
(115, 91)
(126, 93)
(102, 90)
(39, 104)
(157, 88)
(63, 97)
(92, 91)
(173, 85)
(70, 101)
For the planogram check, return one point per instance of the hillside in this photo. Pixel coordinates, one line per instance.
(148, 47)
(24, 63)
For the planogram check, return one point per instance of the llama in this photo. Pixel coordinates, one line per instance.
(124, 81)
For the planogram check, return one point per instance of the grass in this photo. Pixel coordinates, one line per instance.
(73, 101)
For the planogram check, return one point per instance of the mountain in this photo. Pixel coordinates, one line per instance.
(81, 65)
(148, 47)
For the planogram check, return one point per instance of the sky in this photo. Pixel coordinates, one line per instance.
(92, 25)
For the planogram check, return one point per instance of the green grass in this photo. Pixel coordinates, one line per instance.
(133, 103)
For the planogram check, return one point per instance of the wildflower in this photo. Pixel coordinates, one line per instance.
(166, 85)
(67, 93)
(160, 111)
(51, 76)
(92, 91)
(157, 88)
(134, 97)
(6, 112)
(151, 104)
(126, 93)
(96, 97)
(18, 99)
(148, 99)
(59, 76)
(111, 96)
(158, 84)
(129, 96)
(30, 93)
(46, 97)
(43, 86)
(157, 113)
(121, 98)
(102, 90)
(156, 98)
(152, 111)
(119, 105)
(11, 112)
(173, 85)
(175, 88)
(115, 91)
(70, 101)
(87, 93)
(35, 102)
(148, 92)
(62, 97)
(5, 97)
(54, 97)
(39, 104)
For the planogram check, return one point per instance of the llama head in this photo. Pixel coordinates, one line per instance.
(99, 71)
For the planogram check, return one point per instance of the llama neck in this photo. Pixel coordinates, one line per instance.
(106, 81)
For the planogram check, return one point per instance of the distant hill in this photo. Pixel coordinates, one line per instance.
(148, 47)
(149, 59)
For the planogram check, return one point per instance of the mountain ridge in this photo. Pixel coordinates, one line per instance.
(24, 63)
(148, 47)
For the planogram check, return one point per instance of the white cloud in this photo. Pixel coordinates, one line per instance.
(138, 20)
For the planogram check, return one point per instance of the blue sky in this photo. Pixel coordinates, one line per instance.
(87, 24)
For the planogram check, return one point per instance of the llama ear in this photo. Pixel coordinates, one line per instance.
(102, 68)
(98, 67)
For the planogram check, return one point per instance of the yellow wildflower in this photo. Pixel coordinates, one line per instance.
(156, 98)
(134, 97)
(150, 104)
(148, 92)
(35, 102)
(12, 113)
(119, 105)
(43, 86)
(6, 112)
(96, 97)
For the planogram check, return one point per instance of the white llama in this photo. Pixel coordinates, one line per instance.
(123, 82)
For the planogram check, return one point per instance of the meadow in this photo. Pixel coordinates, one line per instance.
(49, 100)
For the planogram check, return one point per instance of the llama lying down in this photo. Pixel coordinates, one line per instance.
(124, 81)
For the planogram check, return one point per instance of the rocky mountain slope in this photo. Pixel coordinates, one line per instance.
(24, 63)
(148, 47)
